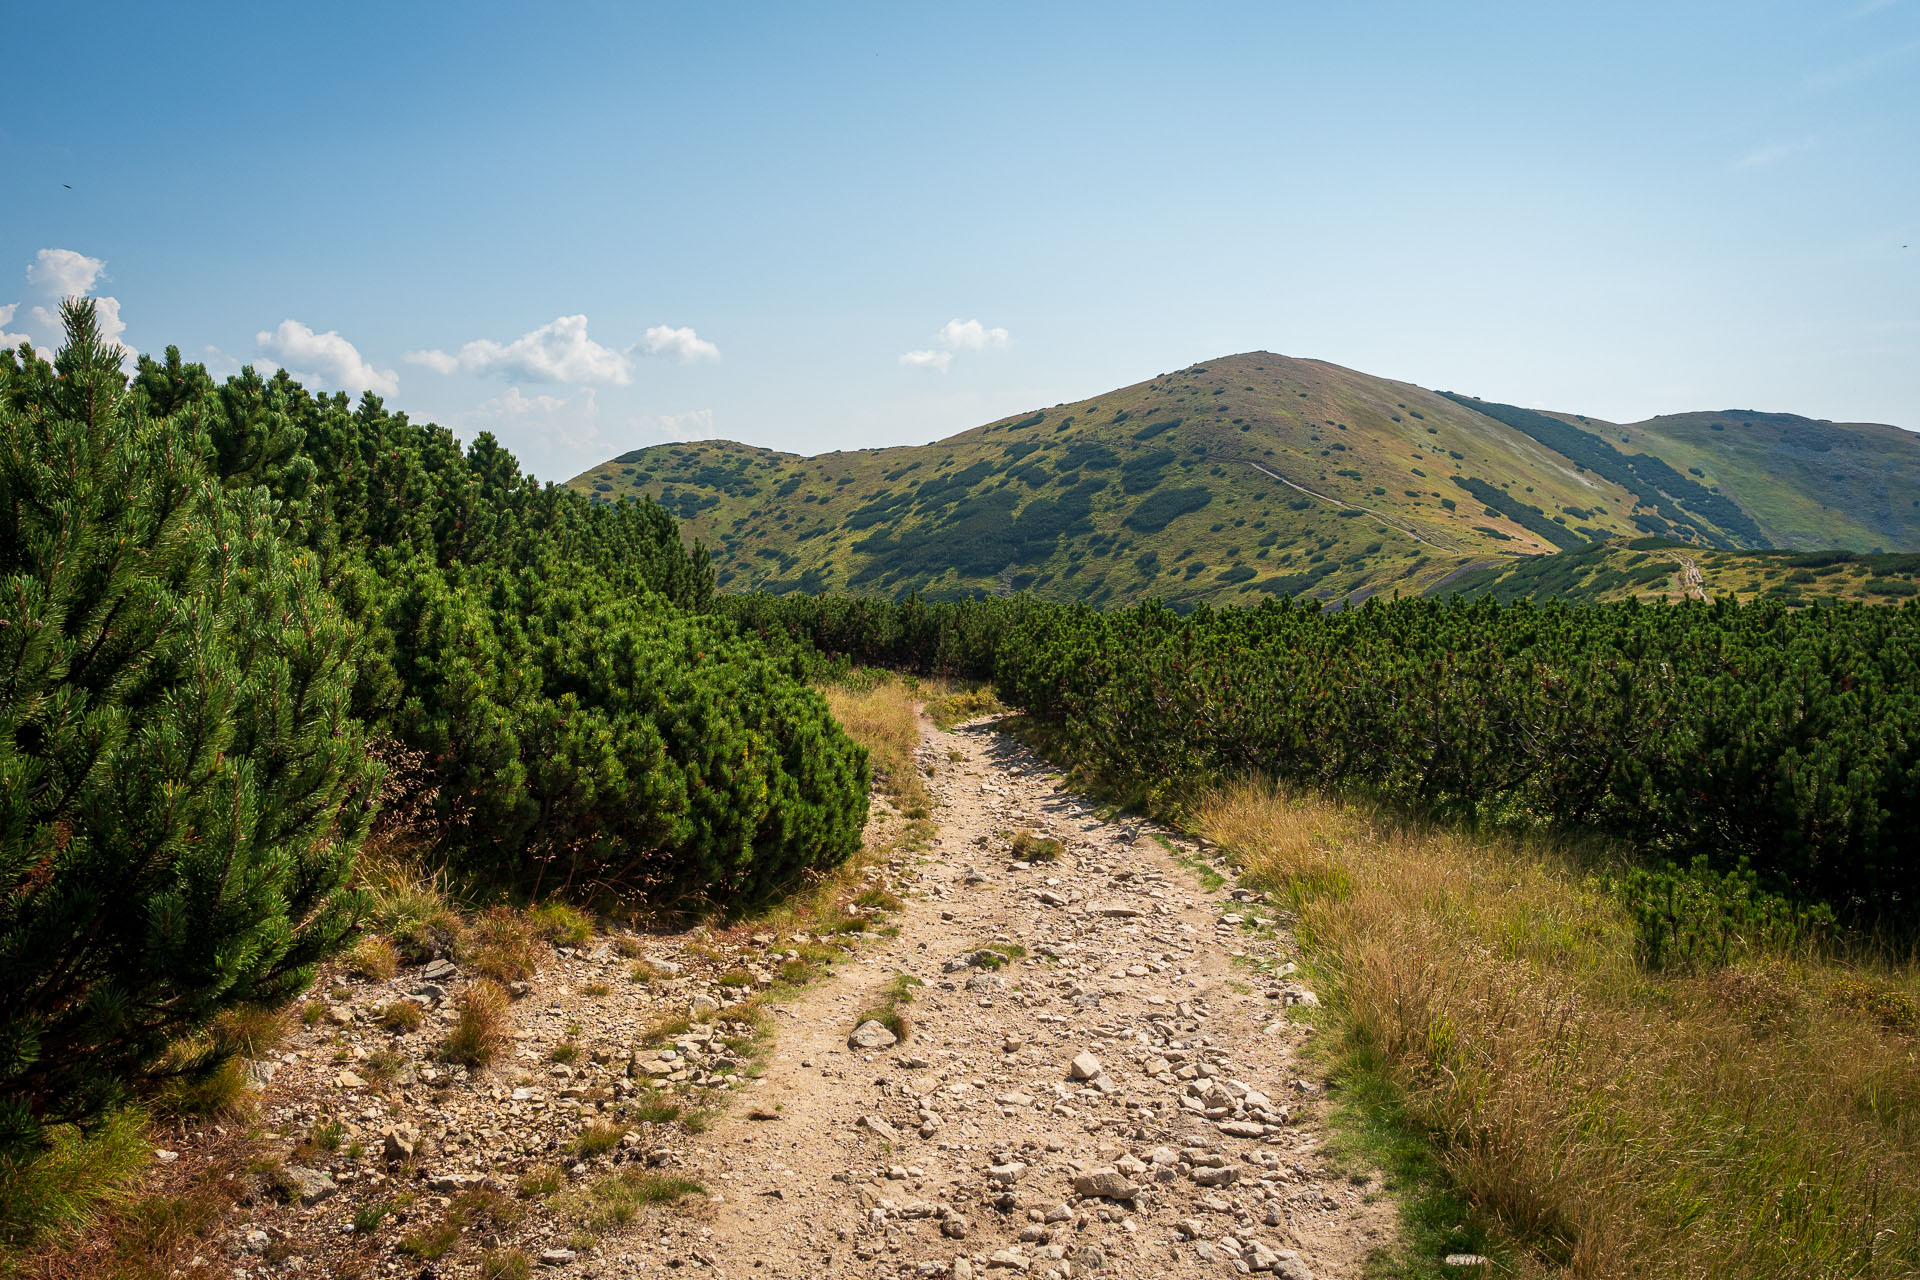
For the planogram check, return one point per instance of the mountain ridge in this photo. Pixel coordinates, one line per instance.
(1259, 474)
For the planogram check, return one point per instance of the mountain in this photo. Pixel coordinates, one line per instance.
(1262, 474)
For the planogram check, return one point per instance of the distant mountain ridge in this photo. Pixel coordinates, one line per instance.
(1259, 474)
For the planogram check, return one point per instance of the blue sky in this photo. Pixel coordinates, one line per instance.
(589, 227)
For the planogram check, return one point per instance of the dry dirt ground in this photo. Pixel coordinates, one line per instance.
(1099, 1078)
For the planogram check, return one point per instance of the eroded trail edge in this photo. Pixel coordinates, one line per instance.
(1099, 1078)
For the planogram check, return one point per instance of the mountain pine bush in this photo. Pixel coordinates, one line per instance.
(182, 785)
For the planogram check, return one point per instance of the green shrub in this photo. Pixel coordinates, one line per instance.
(1699, 918)
(182, 785)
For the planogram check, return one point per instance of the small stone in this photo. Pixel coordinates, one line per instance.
(438, 969)
(879, 1128)
(955, 1226)
(1241, 1128)
(872, 1034)
(339, 1015)
(1107, 1183)
(702, 1005)
(348, 1080)
(164, 1156)
(1084, 1067)
(1089, 1257)
(962, 1269)
(1011, 1259)
(1466, 1260)
(557, 1257)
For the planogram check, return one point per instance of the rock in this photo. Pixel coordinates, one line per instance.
(1300, 996)
(1289, 1265)
(1084, 1067)
(955, 1226)
(872, 1035)
(397, 1142)
(1005, 1175)
(1466, 1260)
(1089, 1257)
(260, 1075)
(557, 1257)
(1131, 1166)
(703, 1005)
(348, 1080)
(308, 1186)
(1191, 1228)
(453, 1184)
(1107, 1183)
(164, 1156)
(1241, 1128)
(962, 1269)
(1011, 1259)
(438, 970)
(1118, 912)
(1219, 1176)
(1158, 1066)
(880, 1128)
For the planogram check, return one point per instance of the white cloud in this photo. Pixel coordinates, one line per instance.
(325, 358)
(53, 276)
(971, 335)
(515, 405)
(937, 360)
(956, 335)
(694, 424)
(558, 351)
(683, 345)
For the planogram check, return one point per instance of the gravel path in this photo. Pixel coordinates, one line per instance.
(1098, 1080)
(1119, 1100)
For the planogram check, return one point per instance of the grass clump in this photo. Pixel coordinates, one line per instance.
(501, 945)
(1498, 1005)
(373, 959)
(565, 1052)
(597, 1139)
(401, 1016)
(541, 1180)
(657, 1111)
(561, 925)
(615, 1200)
(505, 1264)
(481, 1031)
(954, 705)
(1028, 847)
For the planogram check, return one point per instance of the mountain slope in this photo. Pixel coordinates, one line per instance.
(1227, 481)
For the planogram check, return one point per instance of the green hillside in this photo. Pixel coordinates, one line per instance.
(1248, 476)
(1660, 569)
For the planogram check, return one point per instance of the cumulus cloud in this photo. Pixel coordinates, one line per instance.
(971, 335)
(558, 351)
(326, 359)
(955, 335)
(683, 345)
(53, 276)
(936, 360)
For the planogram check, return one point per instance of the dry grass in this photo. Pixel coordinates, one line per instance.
(882, 719)
(373, 958)
(1759, 1120)
(501, 944)
(481, 1032)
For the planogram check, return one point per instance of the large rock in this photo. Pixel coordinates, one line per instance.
(1107, 1183)
(1084, 1067)
(872, 1035)
(307, 1186)
(398, 1143)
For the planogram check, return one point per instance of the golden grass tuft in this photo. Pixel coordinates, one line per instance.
(481, 1031)
(1760, 1120)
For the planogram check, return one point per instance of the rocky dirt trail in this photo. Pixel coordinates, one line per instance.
(1100, 1078)
(1120, 1099)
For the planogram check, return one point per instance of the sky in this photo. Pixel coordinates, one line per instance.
(588, 228)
